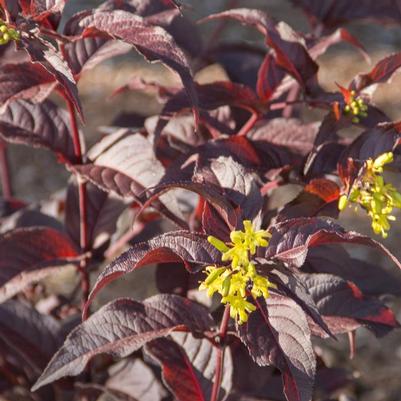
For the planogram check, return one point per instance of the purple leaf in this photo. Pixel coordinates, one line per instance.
(370, 278)
(28, 334)
(332, 14)
(340, 35)
(318, 198)
(369, 145)
(124, 163)
(336, 297)
(28, 255)
(84, 54)
(289, 285)
(290, 134)
(122, 327)
(133, 378)
(381, 72)
(278, 334)
(102, 212)
(291, 53)
(211, 97)
(44, 53)
(39, 125)
(241, 61)
(153, 42)
(291, 239)
(270, 76)
(188, 366)
(191, 249)
(239, 184)
(24, 81)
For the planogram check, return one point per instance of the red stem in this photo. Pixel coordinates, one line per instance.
(5, 172)
(123, 240)
(220, 354)
(249, 124)
(283, 105)
(216, 34)
(292, 97)
(82, 194)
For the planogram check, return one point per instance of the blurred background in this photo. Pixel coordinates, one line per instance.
(377, 364)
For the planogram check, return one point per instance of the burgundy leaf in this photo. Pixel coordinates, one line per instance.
(215, 95)
(51, 6)
(179, 130)
(270, 76)
(291, 239)
(191, 249)
(120, 328)
(84, 54)
(152, 41)
(125, 164)
(319, 198)
(381, 72)
(188, 366)
(133, 378)
(291, 134)
(29, 335)
(238, 184)
(241, 61)
(289, 285)
(42, 125)
(29, 217)
(178, 26)
(28, 255)
(340, 35)
(176, 177)
(139, 7)
(336, 297)
(370, 144)
(291, 53)
(323, 160)
(369, 277)
(211, 97)
(44, 53)
(332, 14)
(102, 212)
(278, 334)
(24, 81)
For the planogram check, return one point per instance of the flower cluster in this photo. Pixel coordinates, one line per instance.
(374, 195)
(236, 281)
(7, 34)
(356, 107)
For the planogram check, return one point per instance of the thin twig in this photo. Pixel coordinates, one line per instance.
(82, 194)
(116, 247)
(220, 354)
(5, 172)
(249, 124)
(216, 34)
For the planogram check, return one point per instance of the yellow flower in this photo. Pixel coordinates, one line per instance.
(355, 107)
(374, 195)
(238, 280)
(239, 307)
(7, 34)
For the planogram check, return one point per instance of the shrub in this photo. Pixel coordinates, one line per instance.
(243, 284)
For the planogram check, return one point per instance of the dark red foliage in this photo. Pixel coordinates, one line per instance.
(149, 197)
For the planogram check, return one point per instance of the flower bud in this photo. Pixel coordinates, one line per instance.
(218, 244)
(226, 286)
(342, 202)
(383, 159)
(214, 275)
